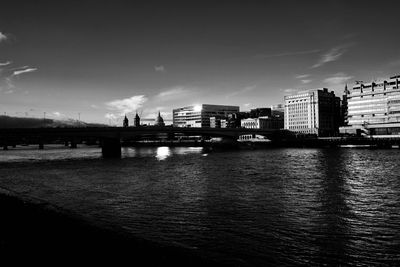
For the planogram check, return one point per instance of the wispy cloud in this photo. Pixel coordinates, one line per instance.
(242, 91)
(2, 64)
(8, 75)
(22, 71)
(332, 55)
(306, 81)
(57, 114)
(290, 53)
(338, 79)
(127, 105)
(174, 93)
(160, 68)
(3, 37)
(289, 90)
(302, 76)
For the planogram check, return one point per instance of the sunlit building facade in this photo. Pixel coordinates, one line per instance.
(374, 107)
(199, 115)
(315, 111)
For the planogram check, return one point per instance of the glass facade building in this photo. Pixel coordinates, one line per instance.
(375, 106)
(199, 115)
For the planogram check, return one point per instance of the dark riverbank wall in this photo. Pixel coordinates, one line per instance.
(32, 232)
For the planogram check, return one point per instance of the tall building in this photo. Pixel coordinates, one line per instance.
(344, 107)
(199, 115)
(314, 111)
(374, 107)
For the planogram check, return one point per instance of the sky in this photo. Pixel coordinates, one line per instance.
(100, 60)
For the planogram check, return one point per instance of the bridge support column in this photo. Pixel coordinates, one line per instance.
(66, 143)
(73, 144)
(41, 144)
(5, 147)
(111, 148)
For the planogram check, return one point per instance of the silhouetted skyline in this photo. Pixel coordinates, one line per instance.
(103, 60)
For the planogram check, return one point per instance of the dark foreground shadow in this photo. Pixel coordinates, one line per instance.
(36, 234)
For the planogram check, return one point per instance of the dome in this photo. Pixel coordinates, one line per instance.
(159, 120)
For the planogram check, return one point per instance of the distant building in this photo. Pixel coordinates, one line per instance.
(278, 110)
(126, 122)
(159, 120)
(314, 111)
(136, 121)
(224, 123)
(199, 115)
(374, 108)
(261, 123)
(344, 108)
(215, 122)
(234, 119)
(260, 112)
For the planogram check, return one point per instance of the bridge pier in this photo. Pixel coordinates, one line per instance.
(5, 147)
(111, 147)
(41, 144)
(73, 144)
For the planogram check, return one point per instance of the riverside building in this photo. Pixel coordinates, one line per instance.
(374, 108)
(315, 111)
(199, 115)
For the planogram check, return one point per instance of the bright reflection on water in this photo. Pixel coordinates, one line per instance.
(163, 153)
(280, 207)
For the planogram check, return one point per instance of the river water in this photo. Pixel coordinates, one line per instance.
(246, 207)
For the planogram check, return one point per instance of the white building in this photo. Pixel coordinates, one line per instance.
(199, 115)
(315, 111)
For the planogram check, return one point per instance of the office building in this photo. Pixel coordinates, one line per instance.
(315, 111)
(374, 108)
(199, 115)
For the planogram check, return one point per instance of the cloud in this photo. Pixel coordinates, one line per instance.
(25, 70)
(3, 37)
(160, 68)
(174, 93)
(338, 79)
(242, 91)
(127, 105)
(332, 55)
(9, 91)
(2, 64)
(302, 76)
(306, 81)
(289, 90)
(284, 54)
(110, 116)
(94, 106)
(57, 114)
(7, 75)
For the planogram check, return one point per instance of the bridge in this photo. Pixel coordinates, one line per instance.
(110, 137)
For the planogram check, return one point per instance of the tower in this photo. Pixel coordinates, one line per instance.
(136, 122)
(126, 122)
